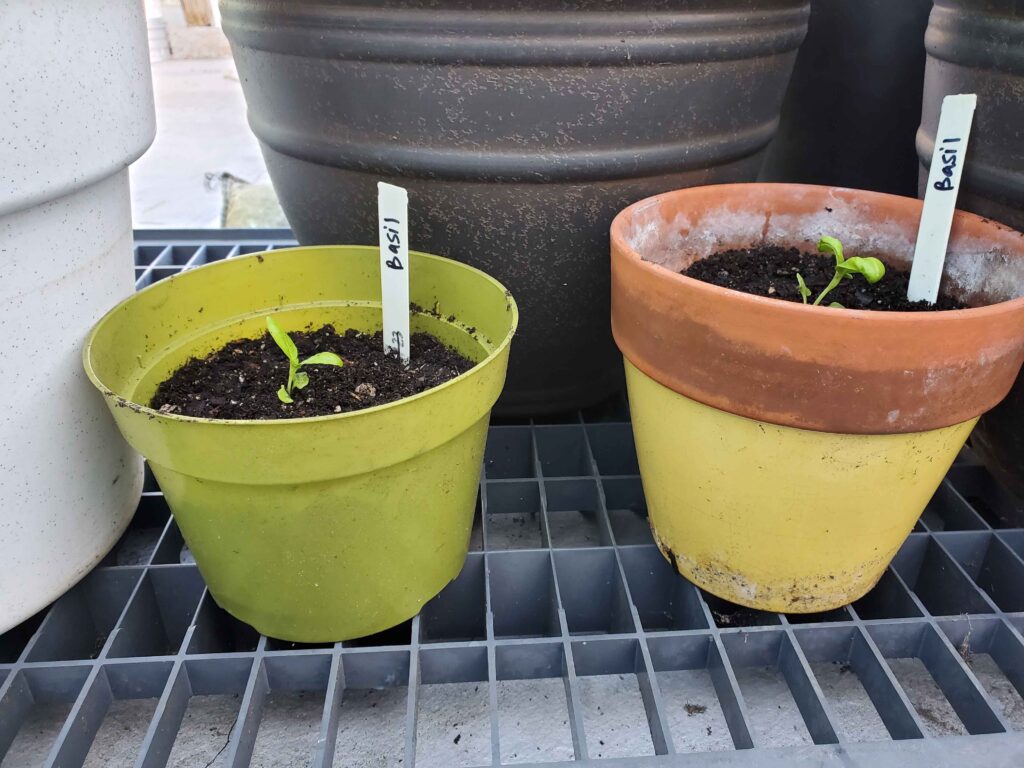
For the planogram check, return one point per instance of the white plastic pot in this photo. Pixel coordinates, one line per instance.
(77, 110)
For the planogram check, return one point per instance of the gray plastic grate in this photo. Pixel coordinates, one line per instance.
(566, 638)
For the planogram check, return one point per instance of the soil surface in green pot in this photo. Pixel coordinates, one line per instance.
(770, 270)
(241, 379)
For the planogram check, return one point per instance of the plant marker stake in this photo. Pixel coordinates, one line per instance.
(393, 215)
(940, 196)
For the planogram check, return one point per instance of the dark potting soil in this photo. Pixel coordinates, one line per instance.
(240, 380)
(770, 270)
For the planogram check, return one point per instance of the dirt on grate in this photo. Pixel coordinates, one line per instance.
(770, 271)
(241, 380)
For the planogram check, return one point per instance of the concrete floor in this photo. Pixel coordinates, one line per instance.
(201, 129)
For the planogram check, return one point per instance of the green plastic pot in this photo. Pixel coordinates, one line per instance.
(319, 529)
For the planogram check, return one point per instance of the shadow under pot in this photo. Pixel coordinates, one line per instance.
(323, 528)
(786, 450)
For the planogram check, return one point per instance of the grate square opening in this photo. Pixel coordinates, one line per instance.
(139, 541)
(888, 599)
(146, 255)
(533, 712)
(159, 614)
(289, 728)
(453, 715)
(523, 599)
(613, 448)
(154, 274)
(202, 708)
(509, 453)
(949, 511)
(216, 252)
(593, 595)
(115, 715)
(217, 631)
(615, 717)
(864, 700)
(991, 501)
(664, 600)
(14, 641)
(459, 611)
(992, 565)
(688, 670)
(948, 700)
(1014, 540)
(936, 579)
(574, 514)
(994, 654)
(33, 711)
(562, 451)
(79, 623)
(783, 707)
(513, 516)
(371, 727)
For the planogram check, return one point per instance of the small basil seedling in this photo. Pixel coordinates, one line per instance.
(869, 267)
(297, 378)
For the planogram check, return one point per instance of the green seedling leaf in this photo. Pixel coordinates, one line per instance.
(323, 358)
(832, 245)
(297, 378)
(283, 340)
(869, 267)
(802, 288)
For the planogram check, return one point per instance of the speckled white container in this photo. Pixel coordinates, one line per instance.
(77, 110)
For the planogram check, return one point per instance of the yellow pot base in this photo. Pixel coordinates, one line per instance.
(778, 518)
(814, 595)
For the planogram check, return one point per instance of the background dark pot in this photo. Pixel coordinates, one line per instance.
(520, 129)
(854, 101)
(977, 46)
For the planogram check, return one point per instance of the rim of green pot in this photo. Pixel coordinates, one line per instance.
(163, 285)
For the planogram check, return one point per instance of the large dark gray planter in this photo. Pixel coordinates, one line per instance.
(854, 102)
(520, 127)
(977, 46)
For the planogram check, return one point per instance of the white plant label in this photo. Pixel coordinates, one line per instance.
(940, 196)
(393, 215)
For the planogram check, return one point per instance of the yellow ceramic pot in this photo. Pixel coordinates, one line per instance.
(774, 517)
(317, 529)
(787, 450)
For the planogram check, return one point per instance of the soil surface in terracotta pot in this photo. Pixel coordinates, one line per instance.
(770, 270)
(241, 379)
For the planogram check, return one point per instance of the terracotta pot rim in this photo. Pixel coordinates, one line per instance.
(621, 242)
(792, 364)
